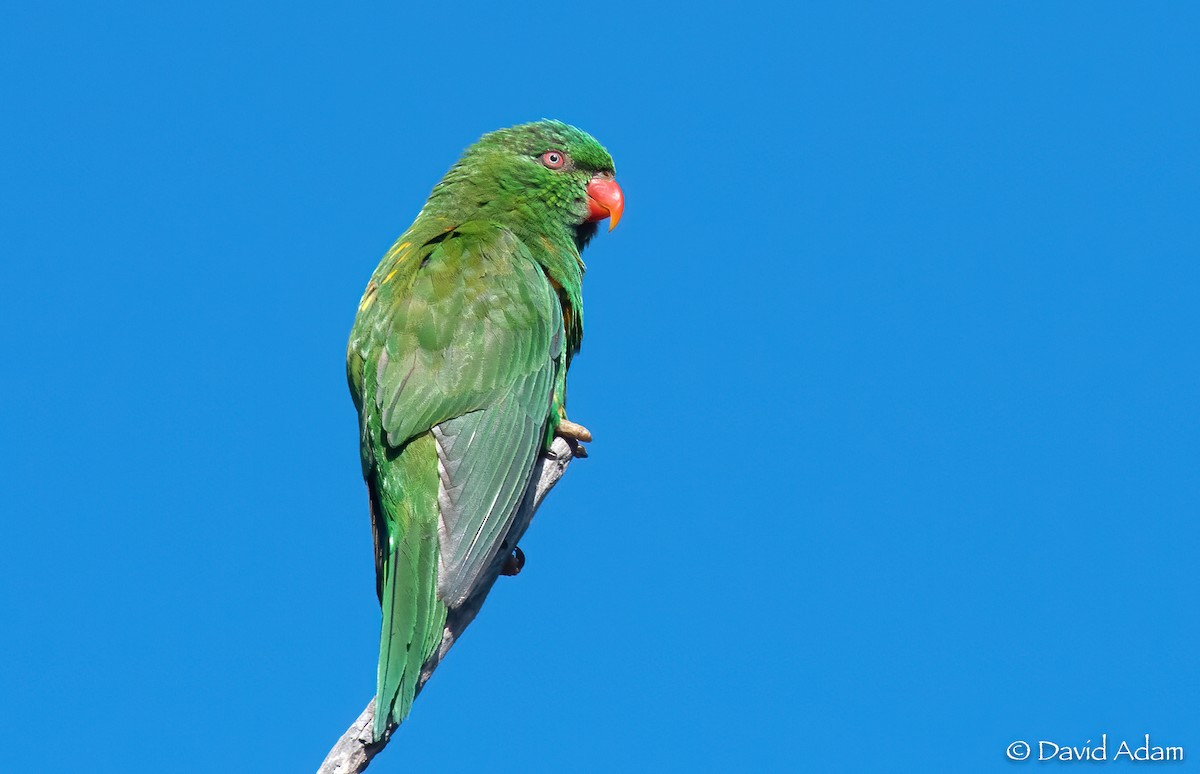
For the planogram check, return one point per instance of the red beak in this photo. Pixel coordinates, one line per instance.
(605, 200)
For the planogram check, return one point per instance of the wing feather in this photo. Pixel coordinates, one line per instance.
(452, 362)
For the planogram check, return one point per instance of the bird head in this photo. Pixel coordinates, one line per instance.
(540, 176)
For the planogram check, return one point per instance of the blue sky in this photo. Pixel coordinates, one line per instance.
(892, 366)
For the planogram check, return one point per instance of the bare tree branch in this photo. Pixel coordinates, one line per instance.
(354, 751)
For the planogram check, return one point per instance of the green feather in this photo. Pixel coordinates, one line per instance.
(457, 364)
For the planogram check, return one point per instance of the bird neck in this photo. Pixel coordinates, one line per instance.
(553, 241)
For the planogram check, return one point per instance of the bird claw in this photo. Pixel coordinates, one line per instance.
(513, 564)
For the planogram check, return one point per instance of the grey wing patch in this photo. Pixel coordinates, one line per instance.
(485, 460)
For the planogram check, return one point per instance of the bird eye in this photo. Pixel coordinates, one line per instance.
(554, 159)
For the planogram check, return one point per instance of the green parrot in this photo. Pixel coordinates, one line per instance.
(457, 364)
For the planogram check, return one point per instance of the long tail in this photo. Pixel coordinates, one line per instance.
(413, 616)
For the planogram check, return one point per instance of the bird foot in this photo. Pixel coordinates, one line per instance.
(513, 564)
(573, 433)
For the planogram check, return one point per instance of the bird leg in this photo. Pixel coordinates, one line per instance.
(513, 564)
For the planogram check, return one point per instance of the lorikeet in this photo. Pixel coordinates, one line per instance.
(457, 364)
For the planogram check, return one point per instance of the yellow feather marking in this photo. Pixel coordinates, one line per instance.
(400, 250)
(368, 297)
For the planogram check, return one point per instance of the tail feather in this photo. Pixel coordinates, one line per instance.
(413, 616)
